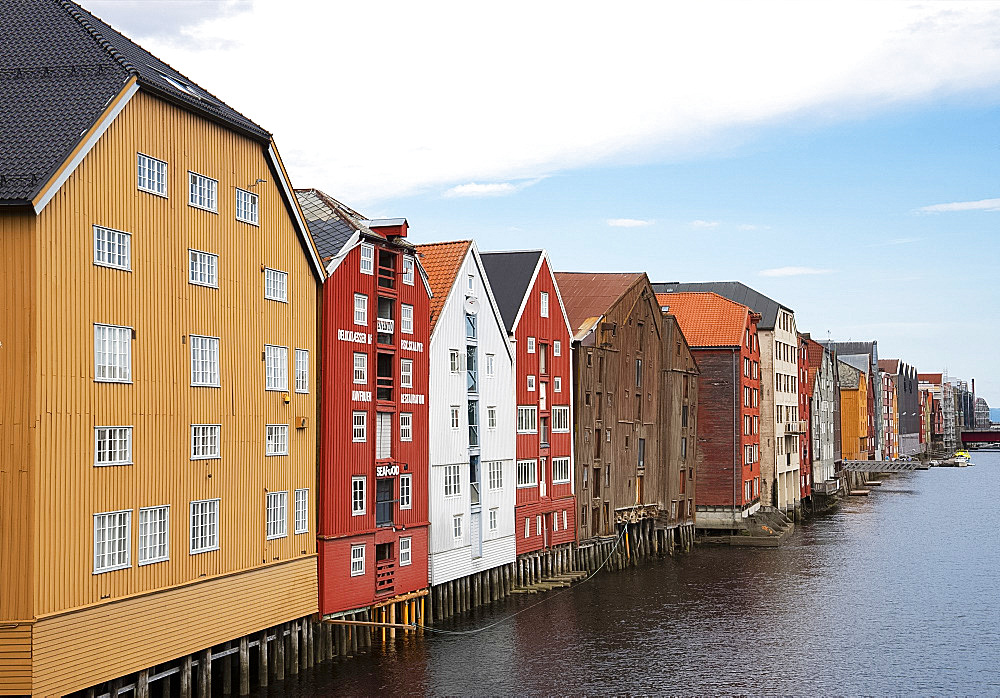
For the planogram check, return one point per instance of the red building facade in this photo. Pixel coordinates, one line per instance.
(805, 421)
(373, 461)
(722, 335)
(526, 293)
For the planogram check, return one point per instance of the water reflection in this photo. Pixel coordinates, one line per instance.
(892, 593)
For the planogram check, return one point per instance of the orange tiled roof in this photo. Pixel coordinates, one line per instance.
(815, 360)
(441, 261)
(707, 319)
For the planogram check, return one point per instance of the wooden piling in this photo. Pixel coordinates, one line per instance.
(205, 674)
(293, 659)
(244, 666)
(262, 663)
(227, 671)
(142, 684)
(186, 666)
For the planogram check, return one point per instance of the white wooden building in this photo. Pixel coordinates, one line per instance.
(471, 398)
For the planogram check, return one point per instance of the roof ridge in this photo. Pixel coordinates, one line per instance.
(444, 242)
(77, 12)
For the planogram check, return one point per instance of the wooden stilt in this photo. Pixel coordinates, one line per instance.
(293, 649)
(142, 684)
(244, 666)
(186, 666)
(262, 660)
(115, 688)
(205, 674)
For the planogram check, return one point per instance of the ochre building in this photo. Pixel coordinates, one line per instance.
(157, 345)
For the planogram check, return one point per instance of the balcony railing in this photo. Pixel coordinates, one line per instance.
(385, 576)
(795, 428)
(386, 277)
(473, 435)
(383, 388)
(474, 493)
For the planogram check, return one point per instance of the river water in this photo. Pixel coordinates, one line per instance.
(898, 592)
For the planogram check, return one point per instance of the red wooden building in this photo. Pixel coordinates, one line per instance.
(805, 417)
(373, 470)
(526, 293)
(722, 335)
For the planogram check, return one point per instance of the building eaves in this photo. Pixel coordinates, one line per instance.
(442, 262)
(734, 291)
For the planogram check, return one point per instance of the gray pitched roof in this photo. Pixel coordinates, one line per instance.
(61, 68)
(734, 291)
(330, 222)
(510, 276)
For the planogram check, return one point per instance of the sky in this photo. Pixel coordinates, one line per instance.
(842, 158)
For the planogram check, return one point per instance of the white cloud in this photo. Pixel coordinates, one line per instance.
(368, 121)
(794, 271)
(628, 222)
(752, 226)
(475, 189)
(704, 224)
(981, 205)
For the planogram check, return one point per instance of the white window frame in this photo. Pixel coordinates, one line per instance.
(406, 426)
(456, 528)
(203, 192)
(557, 384)
(211, 348)
(203, 268)
(122, 550)
(406, 373)
(491, 365)
(210, 523)
(531, 345)
(202, 437)
(275, 443)
(405, 551)
(527, 419)
(409, 270)
(247, 207)
(360, 370)
(529, 468)
(302, 370)
(361, 309)
(359, 426)
(112, 336)
(406, 491)
(275, 367)
(357, 560)
(302, 510)
(493, 519)
(491, 417)
(275, 285)
(543, 308)
(452, 480)
(149, 173)
(359, 505)
(538, 524)
(531, 384)
(161, 535)
(455, 414)
(276, 515)
(556, 348)
(455, 360)
(111, 244)
(558, 477)
(494, 470)
(366, 256)
(560, 412)
(115, 433)
(527, 527)
(405, 318)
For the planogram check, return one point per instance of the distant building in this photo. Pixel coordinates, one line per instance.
(890, 437)
(857, 442)
(907, 404)
(982, 414)
(780, 425)
(723, 339)
(805, 436)
(864, 356)
(823, 416)
(636, 394)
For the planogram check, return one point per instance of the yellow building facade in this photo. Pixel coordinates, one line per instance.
(854, 413)
(158, 354)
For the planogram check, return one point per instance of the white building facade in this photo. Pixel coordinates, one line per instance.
(472, 484)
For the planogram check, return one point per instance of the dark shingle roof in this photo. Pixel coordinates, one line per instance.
(61, 68)
(330, 222)
(510, 275)
(734, 291)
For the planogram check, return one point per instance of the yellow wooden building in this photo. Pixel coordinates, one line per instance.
(855, 440)
(158, 353)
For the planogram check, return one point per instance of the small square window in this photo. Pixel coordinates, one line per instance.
(531, 384)
(557, 384)
(405, 555)
(205, 441)
(408, 271)
(277, 515)
(202, 192)
(277, 440)
(204, 361)
(246, 207)
(112, 248)
(406, 318)
(112, 353)
(203, 268)
(367, 258)
(360, 368)
(406, 426)
(151, 174)
(275, 285)
(357, 560)
(360, 427)
(112, 445)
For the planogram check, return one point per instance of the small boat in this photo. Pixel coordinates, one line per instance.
(962, 458)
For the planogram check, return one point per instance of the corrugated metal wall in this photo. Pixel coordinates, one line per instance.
(156, 300)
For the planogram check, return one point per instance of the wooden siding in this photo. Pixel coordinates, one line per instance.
(605, 369)
(679, 455)
(76, 650)
(720, 426)
(557, 497)
(450, 559)
(854, 418)
(15, 659)
(18, 414)
(341, 458)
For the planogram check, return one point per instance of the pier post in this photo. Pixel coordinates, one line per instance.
(262, 668)
(392, 619)
(227, 671)
(142, 684)
(186, 665)
(279, 653)
(205, 674)
(293, 660)
(244, 666)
